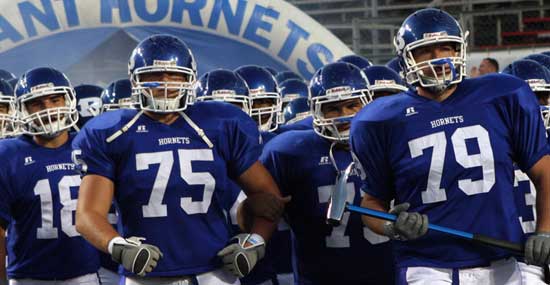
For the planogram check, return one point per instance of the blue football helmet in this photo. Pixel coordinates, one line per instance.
(265, 101)
(9, 126)
(118, 95)
(88, 102)
(546, 53)
(286, 75)
(395, 65)
(544, 60)
(292, 89)
(336, 82)
(535, 74)
(6, 75)
(271, 70)
(428, 27)
(296, 110)
(41, 82)
(383, 81)
(162, 54)
(357, 60)
(223, 85)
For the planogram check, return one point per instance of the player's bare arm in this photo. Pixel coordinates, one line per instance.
(540, 177)
(369, 201)
(256, 183)
(94, 201)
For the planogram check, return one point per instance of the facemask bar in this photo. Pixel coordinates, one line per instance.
(9, 123)
(386, 86)
(538, 85)
(328, 128)
(273, 111)
(124, 103)
(414, 71)
(163, 103)
(545, 112)
(242, 100)
(49, 122)
(299, 117)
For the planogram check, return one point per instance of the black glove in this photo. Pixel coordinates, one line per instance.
(408, 226)
(137, 257)
(240, 259)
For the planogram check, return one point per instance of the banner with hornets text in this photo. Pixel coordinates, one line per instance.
(91, 40)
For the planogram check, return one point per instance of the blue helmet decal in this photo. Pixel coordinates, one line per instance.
(88, 102)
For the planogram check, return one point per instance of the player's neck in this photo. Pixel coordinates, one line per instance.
(165, 118)
(440, 97)
(54, 142)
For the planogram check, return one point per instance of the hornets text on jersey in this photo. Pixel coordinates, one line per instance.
(168, 181)
(38, 194)
(452, 160)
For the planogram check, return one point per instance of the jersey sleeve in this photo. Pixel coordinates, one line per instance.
(529, 134)
(275, 165)
(90, 154)
(242, 148)
(368, 146)
(6, 199)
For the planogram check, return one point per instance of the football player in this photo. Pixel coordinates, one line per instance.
(306, 164)
(39, 189)
(166, 164)
(538, 78)
(227, 86)
(88, 102)
(8, 116)
(445, 153)
(290, 90)
(265, 100)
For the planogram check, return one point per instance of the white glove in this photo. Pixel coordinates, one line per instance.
(136, 257)
(240, 259)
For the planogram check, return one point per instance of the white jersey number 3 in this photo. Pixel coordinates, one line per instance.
(484, 159)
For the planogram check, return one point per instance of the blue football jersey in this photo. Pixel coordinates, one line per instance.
(301, 125)
(348, 254)
(38, 194)
(168, 181)
(452, 160)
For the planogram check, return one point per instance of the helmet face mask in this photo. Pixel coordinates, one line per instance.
(268, 114)
(163, 71)
(49, 122)
(431, 27)
(9, 125)
(545, 112)
(329, 127)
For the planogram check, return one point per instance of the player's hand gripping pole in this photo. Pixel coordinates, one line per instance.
(338, 204)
